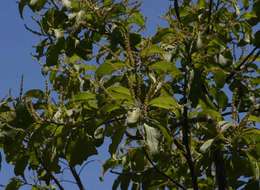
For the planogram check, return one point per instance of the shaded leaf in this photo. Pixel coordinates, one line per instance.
(14, 184)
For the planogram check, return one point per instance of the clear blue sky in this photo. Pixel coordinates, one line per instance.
(15, 59)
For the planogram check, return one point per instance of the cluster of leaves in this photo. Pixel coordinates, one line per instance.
(180, 107)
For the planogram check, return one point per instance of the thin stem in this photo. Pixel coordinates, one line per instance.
(209, 15)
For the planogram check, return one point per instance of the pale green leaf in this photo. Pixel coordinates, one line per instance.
(206, 145)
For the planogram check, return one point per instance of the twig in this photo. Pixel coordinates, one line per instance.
(242, 63)
(21, 88)
(209, 16)
(33, 31)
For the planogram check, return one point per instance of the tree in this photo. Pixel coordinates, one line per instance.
(180, 107)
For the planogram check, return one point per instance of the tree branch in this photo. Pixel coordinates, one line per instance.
(176, 9)
(186, 130)
(77, 178)
(220, 170)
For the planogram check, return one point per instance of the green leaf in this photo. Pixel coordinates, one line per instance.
(21, 165)
(116, 139)
(222, 99)
(21, 5)
(202, 4)
(165, 102)
(208, 110)
(246, 3)
(166, 67)
(37, 5)
(254, 166)
(135, 39)
(79, 150)
(84, 96)
(151, 138)
(14, 184)
(220, 78)
(206, 145)
(120, 93)
(137, 18)
(257, 38)
(254, 118)
(53, 52)
(109, 67)
(163, 129)
(151, 51)
(161, 33)
(252, 184)
(107, 2)
(109, 164)
(224, 125)
(35, 93)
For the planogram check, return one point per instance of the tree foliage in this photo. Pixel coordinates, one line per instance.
(180, 107)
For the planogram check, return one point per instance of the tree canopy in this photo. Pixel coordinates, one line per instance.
(179, 107)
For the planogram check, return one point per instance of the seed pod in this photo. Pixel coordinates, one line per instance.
(66, 3)
(151, 75)
(33, 2)
(58, 33)
(133, 116)
(199, 41)
(222, 60)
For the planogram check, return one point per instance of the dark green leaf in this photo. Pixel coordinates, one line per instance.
(108, 68)
(116, 139)
(14, 184)
(79, 150)
(21, 5)
(35, 93)
(20, 165)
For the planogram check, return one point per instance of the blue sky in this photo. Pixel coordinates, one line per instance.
(16, 60)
